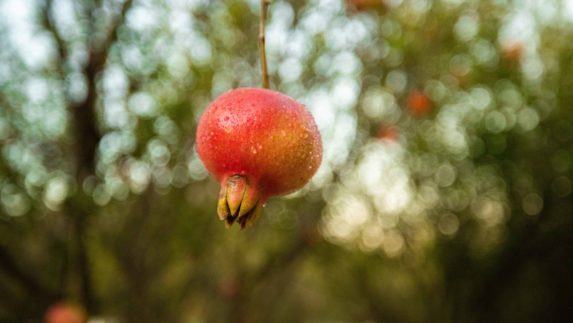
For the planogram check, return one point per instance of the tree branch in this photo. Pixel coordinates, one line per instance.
(84, 114)
(48, 23)
(88, 137)
(118, 21)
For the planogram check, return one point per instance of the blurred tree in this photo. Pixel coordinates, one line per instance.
(465, 216)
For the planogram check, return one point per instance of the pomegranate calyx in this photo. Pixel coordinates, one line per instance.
(239, 201)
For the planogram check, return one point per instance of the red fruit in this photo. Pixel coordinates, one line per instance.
(257, 143)
(390, 133)
(512, 50)
(362, 5)
(64, 313)
(419, 104)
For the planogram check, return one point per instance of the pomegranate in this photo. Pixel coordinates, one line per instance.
(363, 5)
(257, 143)
(389, 133)
(419, 104)
(64, 313)
(512, 51)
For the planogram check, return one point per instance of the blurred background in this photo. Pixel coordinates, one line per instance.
(444, 194)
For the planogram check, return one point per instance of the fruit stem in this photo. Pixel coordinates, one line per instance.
(262, 51)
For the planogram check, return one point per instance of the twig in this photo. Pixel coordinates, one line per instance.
(47, 21)
(119, 20)
(262, 51)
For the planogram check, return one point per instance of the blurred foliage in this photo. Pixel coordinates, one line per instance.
(444, 194)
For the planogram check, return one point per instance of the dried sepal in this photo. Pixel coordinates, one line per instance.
(239, 201)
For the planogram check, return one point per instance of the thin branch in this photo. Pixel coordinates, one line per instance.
(262, 50)
(119, 20)
(48, 23)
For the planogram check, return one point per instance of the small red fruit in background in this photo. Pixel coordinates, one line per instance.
(512, 51)
(388, 133)
(258, 143)
(64, 313)
(419, 104)
(363, 5)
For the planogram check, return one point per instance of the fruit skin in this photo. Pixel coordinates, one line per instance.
(257, 143)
